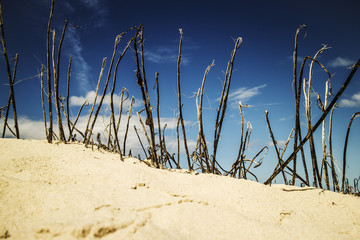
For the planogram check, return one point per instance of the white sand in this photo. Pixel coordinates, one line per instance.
(58, 191)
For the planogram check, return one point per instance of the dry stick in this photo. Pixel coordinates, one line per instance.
(200, 143)
(345, 148)
(109, 135)
(163, 150)
(86, 139)
(240, 156)
(179, 101)
(42, 99)
(127, 124)
(178, 140)
(122, 100)
(316, 174)
(10, 98)
(50, 135)
(143, 126)
(275, 145)
(11, 80)
(117, 41)
(148, 111)
(223, 100)
(201, 136)
(158, 118)
(67, 97)
(112, 97)
(246, 140)
(334, 176)
(298, 135)
(137, 134)
(6, 116)
(313, 129)
(324, 161)
(297, 99)
(56, 82)
(307, 183)
(141, 81)
(286, 144)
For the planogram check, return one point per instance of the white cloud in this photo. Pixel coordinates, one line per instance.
(244, 94)
(29, 129)
(34, 129)
(354, 101)
(90, 96)
(341, 62)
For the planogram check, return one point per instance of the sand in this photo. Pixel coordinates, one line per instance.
(58, 191)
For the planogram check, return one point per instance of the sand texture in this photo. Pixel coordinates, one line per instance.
(58, 191)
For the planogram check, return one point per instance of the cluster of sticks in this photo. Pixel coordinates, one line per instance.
(200, 159)
(326, 108)
(157, 150)
(11, 77)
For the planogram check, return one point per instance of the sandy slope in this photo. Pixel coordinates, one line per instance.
(58, 191)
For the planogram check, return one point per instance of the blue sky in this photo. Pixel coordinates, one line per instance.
(262, 74)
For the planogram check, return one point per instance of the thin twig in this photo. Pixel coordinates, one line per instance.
(127, 124)
(87, 138)
(42, 99)
(179, 101)
(67, 97)
(345, 148)
(50, 131)
(297, 100)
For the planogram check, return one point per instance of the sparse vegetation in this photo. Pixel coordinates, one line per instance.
(200, 159)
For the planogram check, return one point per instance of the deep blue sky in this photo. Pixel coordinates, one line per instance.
(263, 67)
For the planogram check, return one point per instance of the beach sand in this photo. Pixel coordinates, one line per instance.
(67, 191)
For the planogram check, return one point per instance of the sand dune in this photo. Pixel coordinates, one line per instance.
(58, 191)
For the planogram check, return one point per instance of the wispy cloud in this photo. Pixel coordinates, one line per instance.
(81, 69)
(341, 62)
(244, 94)
(90, 3)
(164, 54)
(98, 12)
(280, 143)
(354, 101)
(299, 59)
